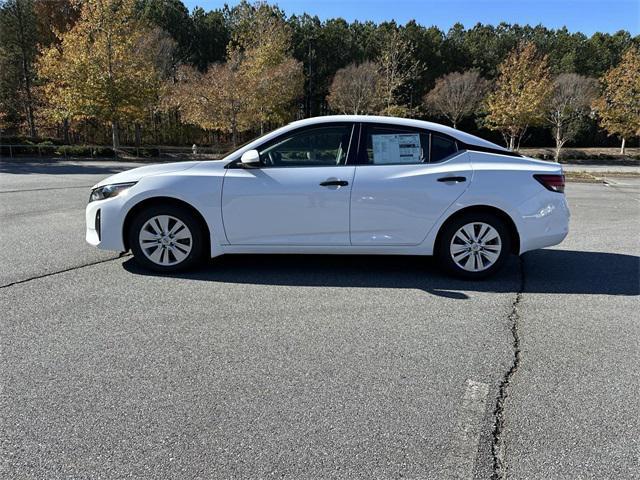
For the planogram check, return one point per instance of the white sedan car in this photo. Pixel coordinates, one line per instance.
(338, 185)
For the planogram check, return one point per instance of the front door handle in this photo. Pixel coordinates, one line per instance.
(334, 183)
(453, 179)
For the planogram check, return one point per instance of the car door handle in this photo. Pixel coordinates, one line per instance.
(334, 183)
(453, 179)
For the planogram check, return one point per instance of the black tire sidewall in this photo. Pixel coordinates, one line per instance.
(443, 253)
(185, 216)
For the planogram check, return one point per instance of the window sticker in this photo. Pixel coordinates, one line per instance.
(396, 148)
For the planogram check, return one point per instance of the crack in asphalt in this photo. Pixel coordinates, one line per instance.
(45, 189)
(70, 269)
(498, 446)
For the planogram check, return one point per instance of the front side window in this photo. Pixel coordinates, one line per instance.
(322, 146)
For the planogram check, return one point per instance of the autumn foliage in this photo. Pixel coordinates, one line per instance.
(255, 87)
(157, 72)
(99, 68)
(619, 105)
(522, 93)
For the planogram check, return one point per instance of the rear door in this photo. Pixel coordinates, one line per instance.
(405, 179)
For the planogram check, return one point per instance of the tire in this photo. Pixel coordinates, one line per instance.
(166, 238)
(474, 245)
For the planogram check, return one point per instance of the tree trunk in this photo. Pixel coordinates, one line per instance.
(26, 73)
(115, 135)
(233, 133)
(455, 124)
(65, 131)
(622, 147)
(29, 110)
(309, 95)
(138, 134)
(512, 141)
(558, 144)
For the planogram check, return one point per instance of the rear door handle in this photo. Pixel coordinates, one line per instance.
(453, 179)
(334, 183)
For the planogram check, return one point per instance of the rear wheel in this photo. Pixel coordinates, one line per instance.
(166, 238)
(474, 245)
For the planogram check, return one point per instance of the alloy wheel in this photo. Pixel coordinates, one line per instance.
(165, 240)
(476, 246)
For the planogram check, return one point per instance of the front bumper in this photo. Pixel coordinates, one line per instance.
(104, 224)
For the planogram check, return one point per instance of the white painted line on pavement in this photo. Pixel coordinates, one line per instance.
(461, 458)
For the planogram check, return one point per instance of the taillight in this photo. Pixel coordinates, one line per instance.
(555, 183)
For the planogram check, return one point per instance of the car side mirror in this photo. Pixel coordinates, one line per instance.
(250, 158)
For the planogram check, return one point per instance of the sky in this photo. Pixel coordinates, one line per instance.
(587, 16)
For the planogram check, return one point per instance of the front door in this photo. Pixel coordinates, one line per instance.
(299, 196)
(404, 182)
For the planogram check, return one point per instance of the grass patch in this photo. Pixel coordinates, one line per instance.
(583, 177)
(588, 156)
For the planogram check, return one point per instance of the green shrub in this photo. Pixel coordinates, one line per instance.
(148, 152)
(84, 151)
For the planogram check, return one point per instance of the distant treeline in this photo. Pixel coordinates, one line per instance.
(151, 72)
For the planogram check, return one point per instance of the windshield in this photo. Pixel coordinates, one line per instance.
(244, 144)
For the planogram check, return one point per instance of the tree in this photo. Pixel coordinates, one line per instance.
(271, 89)
(521, 95)
(262, 41)
(457, 95)
(54, 17)
(569, 103)
(18, 48)
(101, 69)
(397, 66)
(214, 100)
(324, 48)
(619, 105)
(256, 86)
(210, 38)
(356, 89)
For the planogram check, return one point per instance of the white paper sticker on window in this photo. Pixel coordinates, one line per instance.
(396, 148)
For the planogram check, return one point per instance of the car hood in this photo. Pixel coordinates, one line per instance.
(136, 174)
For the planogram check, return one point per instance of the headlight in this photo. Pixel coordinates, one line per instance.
(108, 191)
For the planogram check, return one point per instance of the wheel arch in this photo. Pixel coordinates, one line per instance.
(156, 201)
(504, 216)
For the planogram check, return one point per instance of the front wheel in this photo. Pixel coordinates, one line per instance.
(166, 238)
(474, 245)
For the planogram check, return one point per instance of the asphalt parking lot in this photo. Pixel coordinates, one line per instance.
(314, 367)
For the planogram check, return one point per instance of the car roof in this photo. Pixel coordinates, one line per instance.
(407, 122)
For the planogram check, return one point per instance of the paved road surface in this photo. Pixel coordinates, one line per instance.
(313, 367)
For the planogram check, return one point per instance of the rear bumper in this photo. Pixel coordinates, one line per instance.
(543, 221)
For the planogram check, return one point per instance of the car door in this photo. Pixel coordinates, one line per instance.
(404, 181)
(300, 194)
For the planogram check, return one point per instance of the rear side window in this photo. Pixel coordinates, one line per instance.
(441, 148)
(392, 146)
